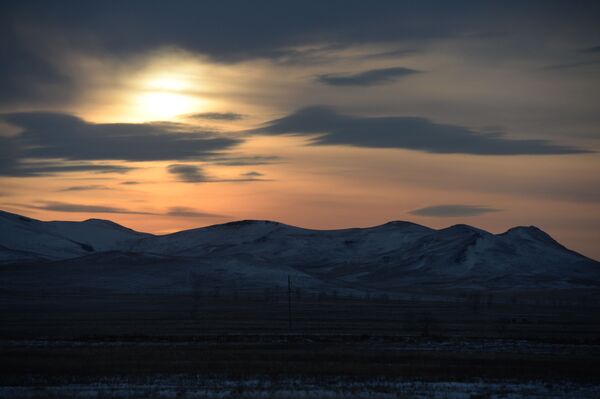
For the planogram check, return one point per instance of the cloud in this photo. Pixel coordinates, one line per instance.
(581, 62)
(28, 71)
(188, 173)
(327, 127)
(218, 116)
(198, 27)
(12, 164)
(90, 187)
(571, 65)
(70, 207)
(316, 53)
(252, 174)
(595, 49)
(34, 38)
(391, 53)
(453, 211)
(181, 211)
(130, 182)
(243, 160)
(45, 137)
(367, 78)
(9, 158)
(33, 169)
(55, 135)
(176, 211)
(195, 174)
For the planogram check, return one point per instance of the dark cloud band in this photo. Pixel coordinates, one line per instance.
(195, 174)
(53, 135)
(181, 211)
(217, 116)
(453, 210)
(188, 173)
(46, 135)
(413, 133)
(69, 207)
(366, 78)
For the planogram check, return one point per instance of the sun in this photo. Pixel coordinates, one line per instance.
(160, 105)
(164, 97)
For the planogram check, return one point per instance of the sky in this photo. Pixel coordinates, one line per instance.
(165, 116)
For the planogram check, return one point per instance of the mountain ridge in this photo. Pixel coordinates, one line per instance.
(391, 257)
(531, 231)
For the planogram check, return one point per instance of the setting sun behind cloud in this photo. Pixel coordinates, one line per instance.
(164, 105)
(164, 96)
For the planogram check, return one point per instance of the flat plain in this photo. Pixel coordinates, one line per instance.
(126, 346)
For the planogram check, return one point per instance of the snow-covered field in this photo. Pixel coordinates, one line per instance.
(200, 387)
(407, 345)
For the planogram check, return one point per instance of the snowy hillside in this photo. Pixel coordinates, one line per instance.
(272, 240)
(99, 254)
(23, 238)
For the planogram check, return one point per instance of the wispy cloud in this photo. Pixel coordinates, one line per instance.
(188, 173)
(217, 116)
(595, 49)
(181, 211)
(252, 174)
(327, 127)
(195, 174)
(571, 65)
(453, 210)
(46, 135)
(391, 53)
(243, 160)
(23, 168)
(366, 78)
(90, 187)
(89, 208)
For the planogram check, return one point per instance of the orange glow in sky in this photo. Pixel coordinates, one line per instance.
(249, 174)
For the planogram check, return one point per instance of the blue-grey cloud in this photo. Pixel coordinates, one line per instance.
(327, 127)
(34, 33)
(571, 65)
(31, 34)
(181, 211)
(366, 78)
(25, 169)
(57, 206)
(28, 70)
(188, 173)
(253, 174)
(70, 207)
(90, 187)
(218, 116)
(317, 53)
(243, 160)
(13, 164)
(195, 174)
(46, 136)
(392, 53)
(54, 135)
(453, 210)
(595, 49)
(9, 157)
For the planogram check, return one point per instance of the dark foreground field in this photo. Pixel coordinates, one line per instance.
(62, 346)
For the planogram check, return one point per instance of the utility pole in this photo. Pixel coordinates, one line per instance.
(290, 303)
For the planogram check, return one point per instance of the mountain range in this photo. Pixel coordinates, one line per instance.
(395, 258)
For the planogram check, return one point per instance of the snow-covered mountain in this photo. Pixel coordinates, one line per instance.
(390, 257)
(23, 238)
